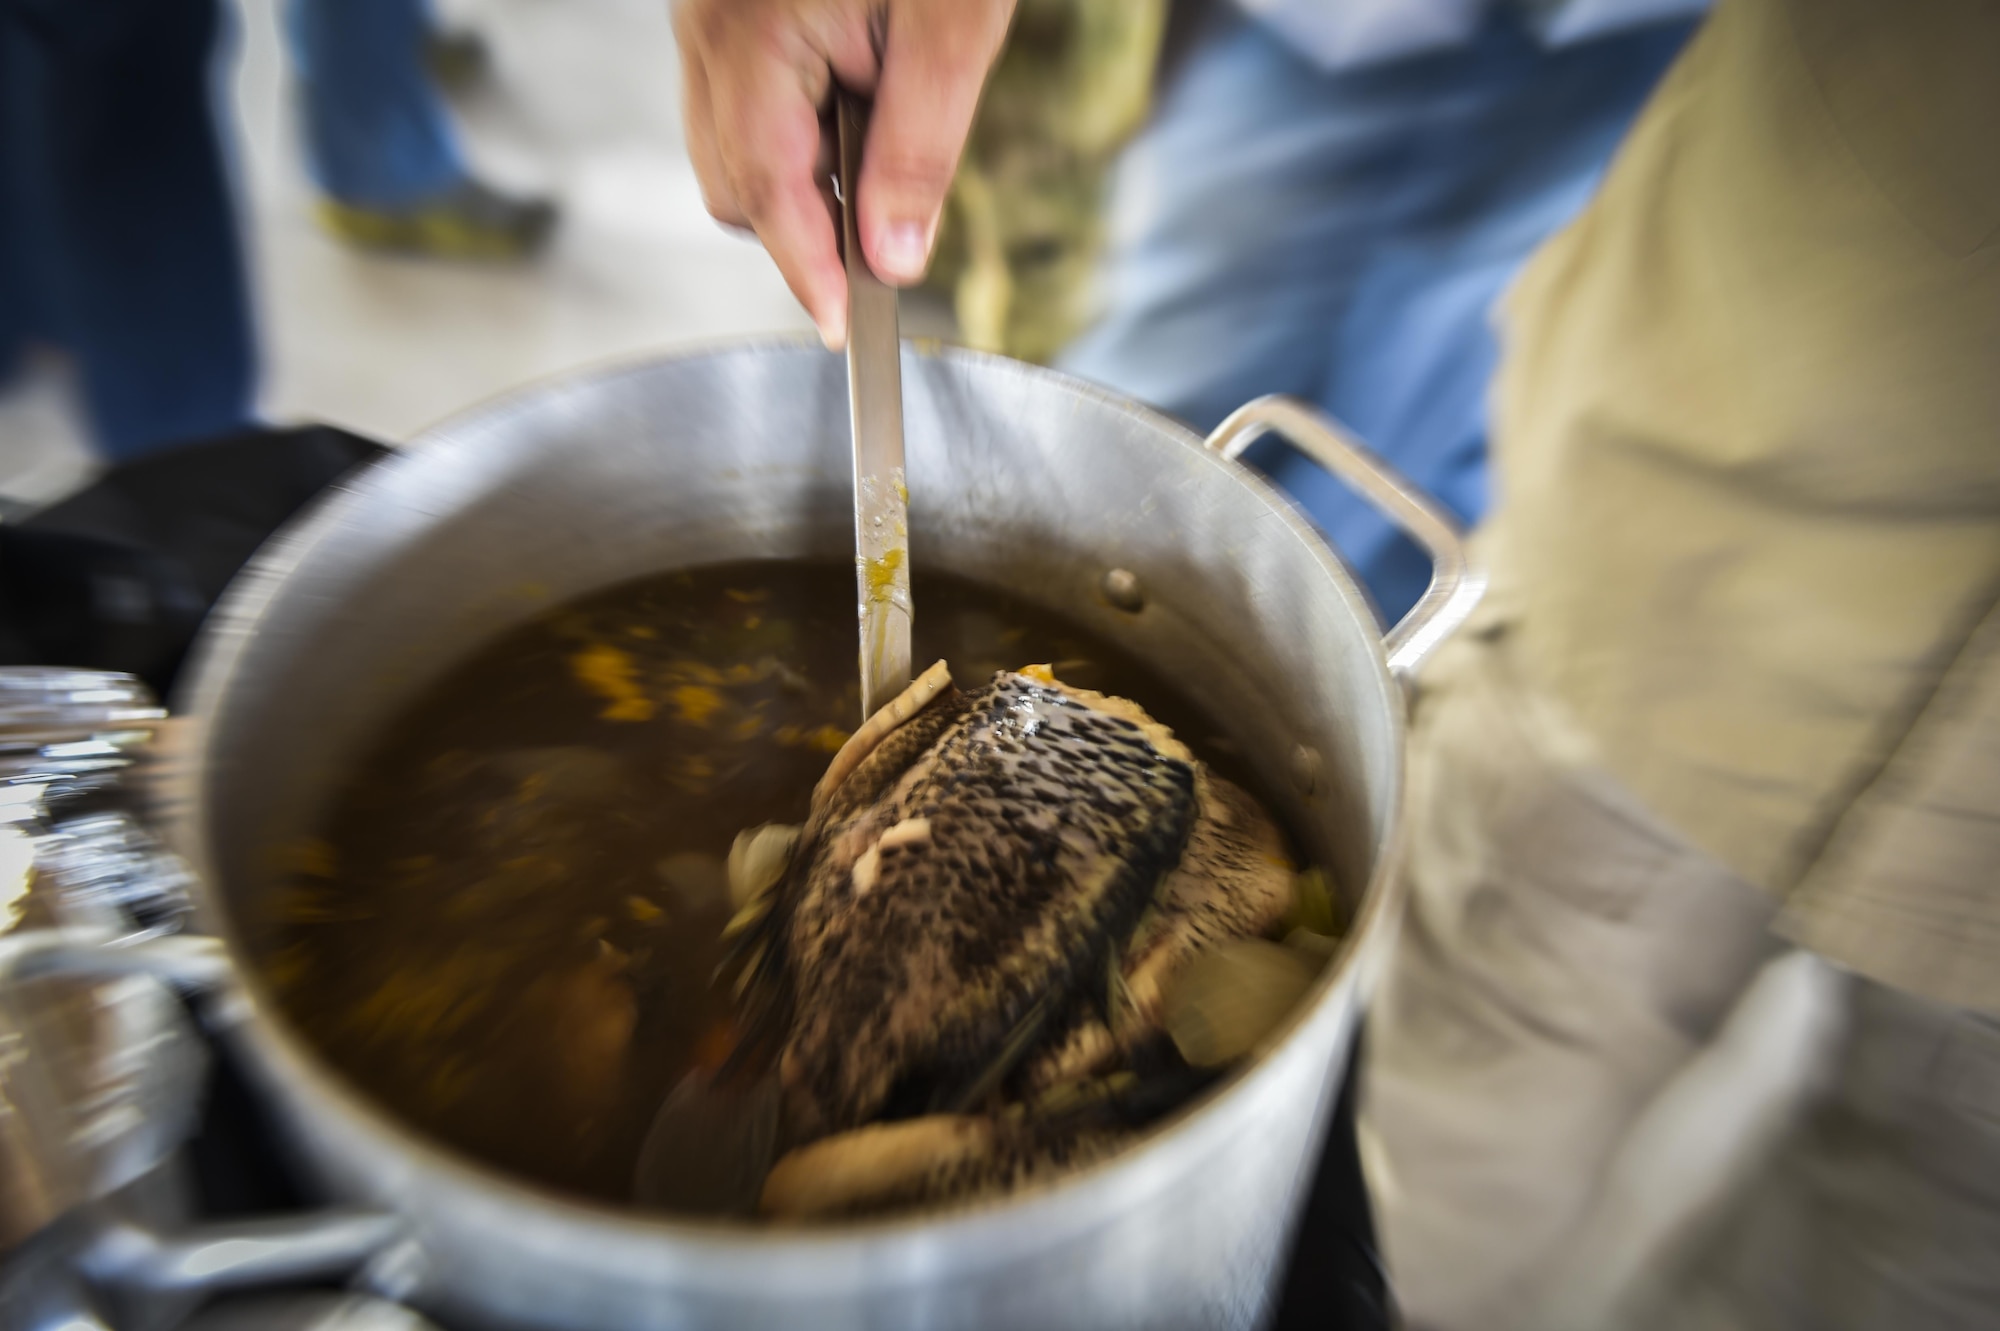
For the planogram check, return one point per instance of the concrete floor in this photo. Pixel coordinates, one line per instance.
(585, 104)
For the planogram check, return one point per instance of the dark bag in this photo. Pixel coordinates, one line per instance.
(120, 576)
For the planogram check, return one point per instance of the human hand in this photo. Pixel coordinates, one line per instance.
(758, 76)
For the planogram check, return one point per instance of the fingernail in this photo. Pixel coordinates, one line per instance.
(900, 251)
(833, 332)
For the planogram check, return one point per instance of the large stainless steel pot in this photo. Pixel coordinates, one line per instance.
(1017, 476)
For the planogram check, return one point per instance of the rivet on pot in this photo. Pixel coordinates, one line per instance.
(1121, 588)
(1305, 769)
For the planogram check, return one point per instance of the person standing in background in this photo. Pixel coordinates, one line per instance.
(118, 240)
(379, 141)
(1719, 755)
(1725, 733)
(1327, 202)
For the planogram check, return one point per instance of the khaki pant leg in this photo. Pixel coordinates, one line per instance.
(1881, 1210)
(1563, 955)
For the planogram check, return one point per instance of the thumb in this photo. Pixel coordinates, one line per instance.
(934, 60)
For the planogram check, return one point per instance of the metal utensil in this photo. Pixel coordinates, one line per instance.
(875, 409)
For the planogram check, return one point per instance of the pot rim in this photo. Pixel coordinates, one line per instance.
(995, 1226)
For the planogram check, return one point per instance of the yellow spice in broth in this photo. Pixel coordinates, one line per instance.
(611, 673)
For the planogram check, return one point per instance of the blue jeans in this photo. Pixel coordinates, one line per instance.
(376, 131)
(1341, 237)
(118, 241)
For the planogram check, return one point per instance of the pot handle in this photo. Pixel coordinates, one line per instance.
(127, 1253)
(188, 962)
(233, 1254)
(1456, 583)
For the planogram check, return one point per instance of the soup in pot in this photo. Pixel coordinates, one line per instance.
(522, 928)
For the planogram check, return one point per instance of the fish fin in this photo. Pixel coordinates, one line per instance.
(754, 962)
(748, 975)
(758, 859)
(1012, 1050)
(1067, 1100)
(876, 728)
(747, 919)
(874, 1165)
(1120, 1007)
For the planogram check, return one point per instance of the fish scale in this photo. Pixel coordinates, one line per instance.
(1050, 825)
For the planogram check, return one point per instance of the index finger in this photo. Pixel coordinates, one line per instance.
(767, 132)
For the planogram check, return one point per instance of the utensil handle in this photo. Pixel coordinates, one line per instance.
(1456, 583)
(875, 412)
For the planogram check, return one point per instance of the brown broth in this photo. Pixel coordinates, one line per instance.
(508, 930)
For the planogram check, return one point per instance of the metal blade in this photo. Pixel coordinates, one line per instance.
(875, 407)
